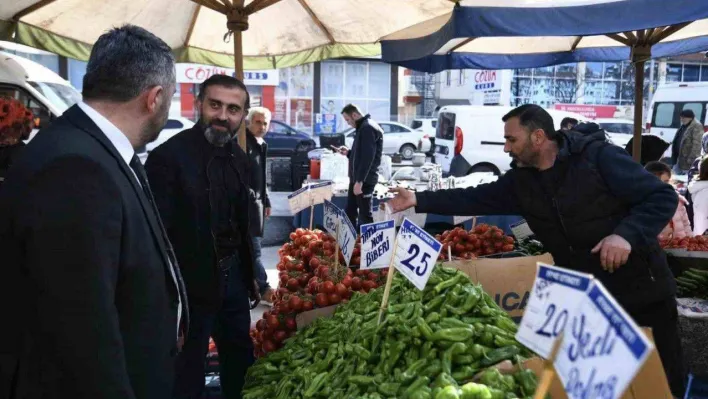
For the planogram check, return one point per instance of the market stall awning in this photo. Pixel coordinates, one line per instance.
(279, 33)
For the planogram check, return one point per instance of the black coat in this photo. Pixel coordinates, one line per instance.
(593, 190)
(86, 292)
(8, 155)
(257, 154)
(177, 173)
(365, 154)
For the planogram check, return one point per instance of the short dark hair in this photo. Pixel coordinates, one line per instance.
(657, 168)
(225, 81)
(568, 120)
(687, 113)
(125, 62)
(703, 169)
(349, 109)
(532, 117)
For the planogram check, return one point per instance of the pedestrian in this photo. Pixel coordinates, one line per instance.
(699, 192)
(568, 123)
(364, 160)
(679, 226)
(593, 208)
(16, 123)
(89, 287)
(200, 179)
(687, 144)
(258, 121)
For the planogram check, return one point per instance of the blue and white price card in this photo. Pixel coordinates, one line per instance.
(555, 296)
(602, 349)
(416, 253)
(331, 218)
(347, 237)
(377, 244)
(309, 195)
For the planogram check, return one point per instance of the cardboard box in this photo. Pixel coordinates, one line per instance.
(304, 319)
(507, 280)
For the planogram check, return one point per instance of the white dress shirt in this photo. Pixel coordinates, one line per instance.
(125, 149)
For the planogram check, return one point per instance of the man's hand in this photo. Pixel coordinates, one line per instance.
(357, 188)
(403, 200)
(614, 252)
(268, 295)
(267, 212)
(342, 150)
(255, 294)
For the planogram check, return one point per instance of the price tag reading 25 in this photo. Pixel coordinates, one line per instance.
(555, 297)
(416, 253)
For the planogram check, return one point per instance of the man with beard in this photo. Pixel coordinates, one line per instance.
(593, 208)
(89, 286)
(200, 181)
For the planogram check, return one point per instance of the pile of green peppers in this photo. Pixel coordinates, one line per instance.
(429, 345)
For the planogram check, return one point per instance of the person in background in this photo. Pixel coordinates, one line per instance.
(679, 226)
(364, 160)
(687, 144)
(596, 211)
(699, 192)
(258, 120)
(16, 123)
(568, 123)
(90, 290)
(200, 179)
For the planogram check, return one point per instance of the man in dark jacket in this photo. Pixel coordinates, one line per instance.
(201, 188)
(258, 120)
(594, 208)
(364, 160)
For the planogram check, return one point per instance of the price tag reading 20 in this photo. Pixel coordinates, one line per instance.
(416, 253)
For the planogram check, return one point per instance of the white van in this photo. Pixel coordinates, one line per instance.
(470, 138)
(41, 90)
(668, 102)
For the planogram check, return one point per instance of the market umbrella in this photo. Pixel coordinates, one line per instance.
(505, 34)
(251, 34)
(653, 148)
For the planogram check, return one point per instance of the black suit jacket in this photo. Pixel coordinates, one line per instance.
(88, 300)
(177, 172)
(257, 154)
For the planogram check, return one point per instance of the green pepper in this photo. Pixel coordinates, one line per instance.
(393, 357)
(434, 317)
(465, 373)
(500, 354)
(433, 304)
(491, 377)
(419, 383)
(506, 324)
(434, 368)
(478, 351)
(361, 380)
(316, 384)
(440, 287)
(425, 349)
(456, 349)
(501, 342)
(481, 320)
(487, 338)
(454, 334)
(471, 390)
(450, 322)
(413, 370)
(508, 383)
(472, 297)
(449, 392)
(389, 388)
(444, 379)
(497, 393)
(463, 359)
(527, 382)
(424, 328)
(423, 393)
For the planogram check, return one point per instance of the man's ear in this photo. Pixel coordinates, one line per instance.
(154, 98)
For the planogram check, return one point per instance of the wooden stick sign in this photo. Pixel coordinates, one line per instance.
(337, 224)
(414, 255)
(308, 196)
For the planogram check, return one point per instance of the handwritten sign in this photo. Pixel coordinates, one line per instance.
(331, 218)
(521, 230)
(347, 237)
(309, 195)
(555, 296)
(377, 244)
(416, 253)
(602, 349)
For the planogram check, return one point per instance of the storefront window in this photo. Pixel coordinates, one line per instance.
(294, 97)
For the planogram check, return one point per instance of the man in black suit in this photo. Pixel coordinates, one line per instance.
(201, 187)
(90, 293)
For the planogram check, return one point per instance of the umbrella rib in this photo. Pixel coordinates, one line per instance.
(462, 43)
(575, 43)
(213, 5)
(34, 7)
(630, 35)
(192, 24)
(256, 6)
(668, 31)
(317, 21)
(619, 38)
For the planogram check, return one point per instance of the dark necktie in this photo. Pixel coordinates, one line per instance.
(139, 170)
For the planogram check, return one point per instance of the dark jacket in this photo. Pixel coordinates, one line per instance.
(86, 290)
(8, 155)
(177, 170)
(676, 144)
(365, 154)
(691, 144)
(257, 184)
(594, 190)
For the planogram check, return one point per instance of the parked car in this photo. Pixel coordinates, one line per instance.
(397, 138)
(426, 125)
(620, 131)
(284, 139)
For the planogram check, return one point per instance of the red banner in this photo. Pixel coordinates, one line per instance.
(588, 110)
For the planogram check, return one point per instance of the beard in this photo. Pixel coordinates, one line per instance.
(526, 157)
(155, 125)
(218, 137)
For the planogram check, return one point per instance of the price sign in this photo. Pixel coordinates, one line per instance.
(555, 296)
(416, 253)
(331, 218)
(347, 237)
(377, 244)
(309, 195)
(602, 349)
(521, 230)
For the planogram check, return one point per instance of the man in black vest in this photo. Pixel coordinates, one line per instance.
(593, 208)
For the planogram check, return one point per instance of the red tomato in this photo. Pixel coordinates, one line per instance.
(300, 231)
(295, 303)
(347, 281)
(327, 287)
(369, 285)
(290, 323)
(459, 248)
(280, 336)
(293, 236)
(356, 260)
(361, 272)
(314, 263)
(268, 346)
(307, 305)
(272, 321)
(356, 283)
(341, 289)
(508, 247)
(321, 300)
(293, 284)
(372, 276)
(261, 325)
(334, 299)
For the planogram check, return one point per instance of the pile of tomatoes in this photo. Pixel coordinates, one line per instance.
(480, 241)
(309, 279)
(697, 243)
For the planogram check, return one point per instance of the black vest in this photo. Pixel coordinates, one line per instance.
(579, 212)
